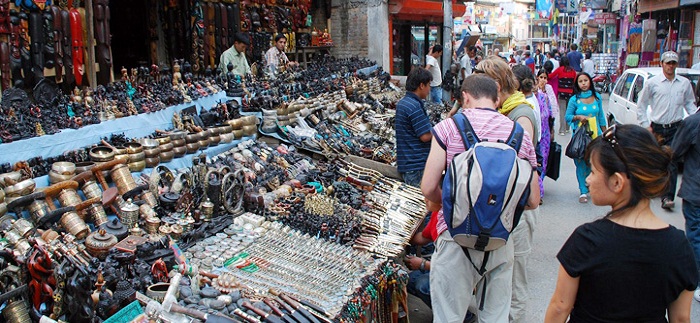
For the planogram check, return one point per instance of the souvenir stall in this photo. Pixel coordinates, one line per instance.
(174, 196)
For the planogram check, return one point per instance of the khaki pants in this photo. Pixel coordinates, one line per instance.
(453, 279)
(522, 241)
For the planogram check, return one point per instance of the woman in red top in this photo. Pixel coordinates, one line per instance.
(566, 76)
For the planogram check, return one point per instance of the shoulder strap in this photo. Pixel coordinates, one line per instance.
(469, 137)
(515, 139)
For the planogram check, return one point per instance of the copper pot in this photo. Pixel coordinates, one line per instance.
(180, 151)
(101, 154)
(152, 161)
(133, 147)
(166, 156)
(151, 152)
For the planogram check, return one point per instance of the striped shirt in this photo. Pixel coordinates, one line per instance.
(411, 122)
(488, 125)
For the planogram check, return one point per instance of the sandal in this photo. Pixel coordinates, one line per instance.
(583, 198)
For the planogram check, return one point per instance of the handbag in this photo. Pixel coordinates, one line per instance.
(553, 160)
(579, 142)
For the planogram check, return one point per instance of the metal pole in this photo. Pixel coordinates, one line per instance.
(447, 25)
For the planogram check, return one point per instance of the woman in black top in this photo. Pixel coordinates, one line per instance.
(630, 266)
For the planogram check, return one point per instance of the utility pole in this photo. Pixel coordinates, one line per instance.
(447, 25)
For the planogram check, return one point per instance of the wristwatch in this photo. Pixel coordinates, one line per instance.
(422, 266)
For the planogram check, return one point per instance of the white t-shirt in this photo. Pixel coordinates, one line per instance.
(696, 66)
(434, 70)
(466, 63)
(555, 63)
(588, 66)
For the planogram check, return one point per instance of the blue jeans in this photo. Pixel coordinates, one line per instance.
(419, 285)
(413, 177)
(691, 213)
(436, 94)
(582, 171)
(667, 135)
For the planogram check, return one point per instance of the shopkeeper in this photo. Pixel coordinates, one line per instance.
(236, 56)
(275, 56)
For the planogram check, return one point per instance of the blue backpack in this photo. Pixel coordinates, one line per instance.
(485, 189)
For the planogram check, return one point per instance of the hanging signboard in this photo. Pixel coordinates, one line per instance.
(605, 18)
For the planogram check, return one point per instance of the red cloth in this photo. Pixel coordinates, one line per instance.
(430, 231)
(564, 73)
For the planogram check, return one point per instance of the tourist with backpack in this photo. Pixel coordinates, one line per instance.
(630, 266)
(515, 106)
(463, 262)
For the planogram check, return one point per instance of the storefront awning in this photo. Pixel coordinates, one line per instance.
(689, 2)
(656, 5)
(423, 9)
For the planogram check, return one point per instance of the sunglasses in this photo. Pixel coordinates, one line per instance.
(610, 135)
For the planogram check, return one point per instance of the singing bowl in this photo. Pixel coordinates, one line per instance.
(180, 151)
(83, 167)
(63, 168)
(249, 130)
(235, 123)
(151, 152)
(148, 143)
(133, 147)
(101, 154)
(166, 156)
(191, 138)
(192, 147)
(177, 135)
(214, 140)
(224, 128)
(13, 176)
(226, 137)
(237, 134)
(57, 178)
(180, 142)
(152, 162)
(162, 140)
(203, 143)
(22, 188)
(137, 157)
(137, 166)
(166, 147)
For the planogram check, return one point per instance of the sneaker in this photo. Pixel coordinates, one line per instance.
(667, 204)
(583, 198)
(696, 295)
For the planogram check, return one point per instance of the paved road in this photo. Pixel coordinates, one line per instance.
(560, 214)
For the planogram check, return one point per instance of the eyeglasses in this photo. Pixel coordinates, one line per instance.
(610, 135)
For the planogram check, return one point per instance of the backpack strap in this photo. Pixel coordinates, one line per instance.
(515, 139)
(469, 137)
(481, 272)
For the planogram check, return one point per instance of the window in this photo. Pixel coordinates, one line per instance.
(638, 85)
(619, 86)
(626, 85)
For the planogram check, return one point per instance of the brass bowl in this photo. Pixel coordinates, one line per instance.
(235, 123)
(192, 137)
(177, 135)
(22, 188)
(238, 134)
(226, 137)
(133, 147)
(148, 143)
(192, 147)
(152, 162)
(214, 140)
(179, 151)
(163, 140)
(180, 142)
(166, 147)
(213, 131)
(101, 154)
(125, 157)
(151, 152)
(166, 156)
(83, 167)
(137, 157)
(121, 150)
(137, 166)
(250, 120)
(63, 168)
(282, 111)
(249, 130)
(14, 176)
(57, 178)
(203, 143)
(203, 135)
(224, 128)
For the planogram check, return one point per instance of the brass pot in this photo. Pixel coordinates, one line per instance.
(99, 242)
(152, 162)
(133, 147)
(148, 143)
(237, 134)
(250, 130)
(63, 168)
(151, 152)
(137, 157)
(83, 167)
(192, 147)
(179, 151)
(166, 156)
(177, 135)
(180, 142)
(235, 123)
(163, 140)
(192, 137)
(137, 166)
(101, 154)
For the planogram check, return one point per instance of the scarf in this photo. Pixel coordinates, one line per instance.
(585, 94)
(512, 102)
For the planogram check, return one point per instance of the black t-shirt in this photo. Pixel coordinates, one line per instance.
(627, 274)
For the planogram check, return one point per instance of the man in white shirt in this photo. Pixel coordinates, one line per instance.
(466, 63)
(432, 65)
(667, 95)
(588, 65)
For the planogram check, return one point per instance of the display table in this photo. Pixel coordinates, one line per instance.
(69, 139)
(304, 50)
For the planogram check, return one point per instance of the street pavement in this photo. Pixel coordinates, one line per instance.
(559, 215)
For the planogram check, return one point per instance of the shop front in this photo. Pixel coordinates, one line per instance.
(414, 26)
(658, 31)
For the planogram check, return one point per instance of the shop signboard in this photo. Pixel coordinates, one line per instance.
(570, 6)
(605, 18)
(689, 2)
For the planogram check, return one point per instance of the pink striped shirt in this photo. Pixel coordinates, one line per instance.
(488, 125)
